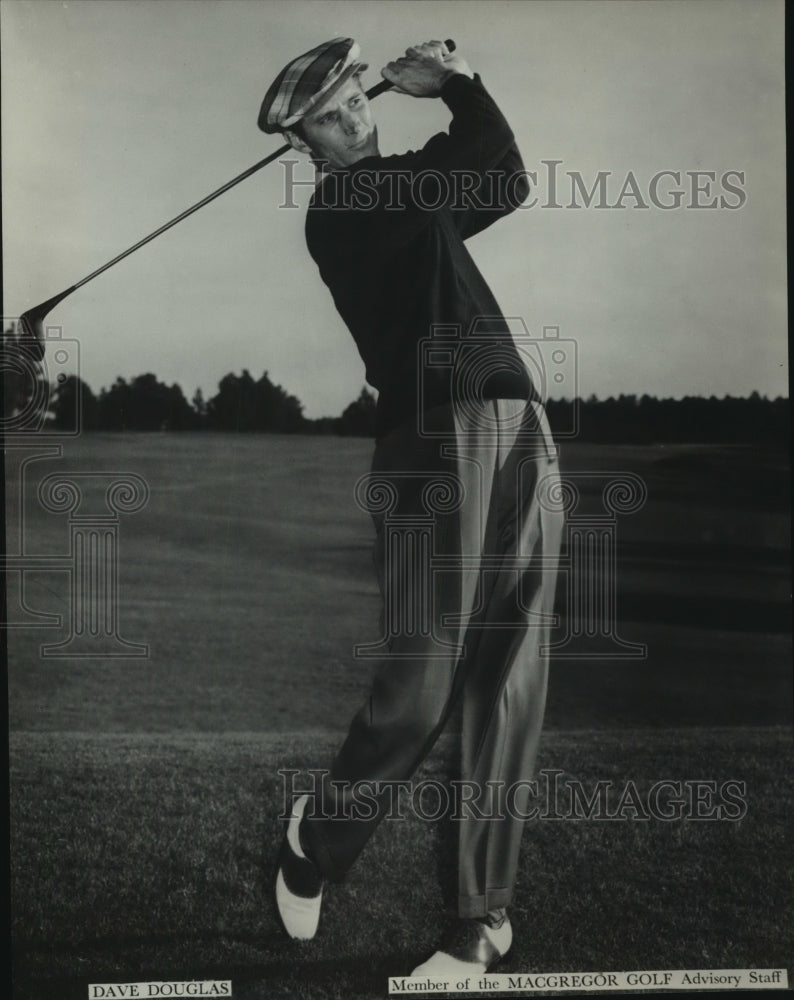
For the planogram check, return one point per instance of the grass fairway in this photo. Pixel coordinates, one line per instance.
(145, 793)
(249, 575)
(148, 857)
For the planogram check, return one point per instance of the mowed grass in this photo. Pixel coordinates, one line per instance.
(150, 857)
(145, 793)
(249, 575)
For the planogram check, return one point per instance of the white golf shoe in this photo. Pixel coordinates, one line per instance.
(299, 885)
(472, 947)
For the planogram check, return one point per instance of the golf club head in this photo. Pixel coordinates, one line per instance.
(32, 323)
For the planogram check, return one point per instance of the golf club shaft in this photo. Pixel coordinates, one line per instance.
(183, 215)
(37, 313)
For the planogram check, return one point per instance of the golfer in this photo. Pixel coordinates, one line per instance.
(462, 451)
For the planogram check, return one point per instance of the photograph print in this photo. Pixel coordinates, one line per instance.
(397, 521)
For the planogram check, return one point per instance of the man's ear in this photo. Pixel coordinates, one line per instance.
(296, 142)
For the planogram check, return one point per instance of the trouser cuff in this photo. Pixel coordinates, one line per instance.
(478, 906)
(316, 849)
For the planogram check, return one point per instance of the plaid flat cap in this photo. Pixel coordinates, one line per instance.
(307, 80)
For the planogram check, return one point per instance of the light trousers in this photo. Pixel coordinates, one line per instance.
(467, 544)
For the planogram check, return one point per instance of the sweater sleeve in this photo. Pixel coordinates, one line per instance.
(481, 149)
(478, 156)
(482, 176)
(479, 136)
(498, 193)
(375, 247)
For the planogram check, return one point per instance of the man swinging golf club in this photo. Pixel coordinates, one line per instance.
(460, 432)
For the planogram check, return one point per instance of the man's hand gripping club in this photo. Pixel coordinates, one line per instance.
(421, 72)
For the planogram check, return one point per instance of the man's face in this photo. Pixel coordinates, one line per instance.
(340, 129)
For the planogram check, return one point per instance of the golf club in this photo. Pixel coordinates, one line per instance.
(32, 319)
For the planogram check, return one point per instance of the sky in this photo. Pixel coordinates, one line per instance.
(119, 114)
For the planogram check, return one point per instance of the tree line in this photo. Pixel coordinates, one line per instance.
(630, 419)
(36, 395)
(244, 404)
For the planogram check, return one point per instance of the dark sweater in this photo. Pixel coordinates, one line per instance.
(395, 272)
